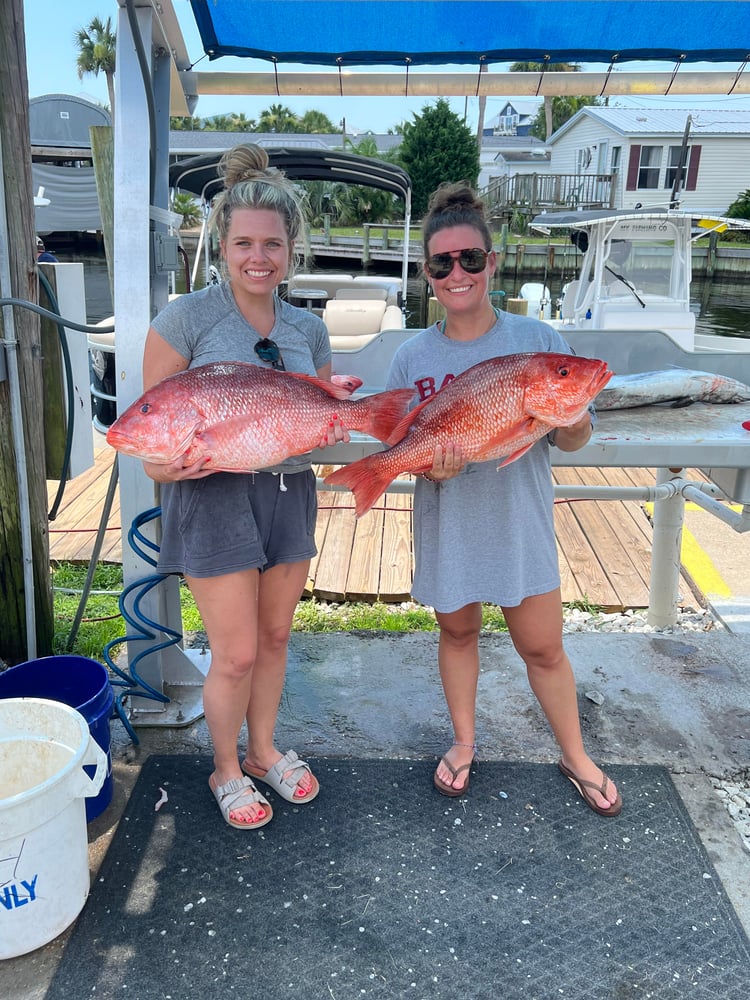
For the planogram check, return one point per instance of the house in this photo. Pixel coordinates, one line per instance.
(648, 149)
(515, 118)
(505, 155)
(61, 162)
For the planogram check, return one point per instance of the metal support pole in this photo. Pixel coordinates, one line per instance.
(669, 517)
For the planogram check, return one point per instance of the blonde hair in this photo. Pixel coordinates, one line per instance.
(249, 182)
(451, 205)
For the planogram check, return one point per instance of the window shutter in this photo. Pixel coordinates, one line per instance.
(692, 173)
(633, 164)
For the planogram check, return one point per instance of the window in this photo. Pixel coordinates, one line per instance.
(648, 167)
(673, 165)
(614, 164)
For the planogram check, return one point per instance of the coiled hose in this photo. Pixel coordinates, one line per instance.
(134, 684)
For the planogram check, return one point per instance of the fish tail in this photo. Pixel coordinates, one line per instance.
(366, 479)
(385, 411)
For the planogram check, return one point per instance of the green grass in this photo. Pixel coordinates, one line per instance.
(102, 622)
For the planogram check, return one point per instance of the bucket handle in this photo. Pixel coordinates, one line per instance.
(94, 755)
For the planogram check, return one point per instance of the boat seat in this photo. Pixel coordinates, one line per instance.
(352, 323)
(568, 301)
(375, 294)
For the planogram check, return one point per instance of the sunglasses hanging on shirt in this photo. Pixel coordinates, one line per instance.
(268, 350)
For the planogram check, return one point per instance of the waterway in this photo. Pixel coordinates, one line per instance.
(721, 307)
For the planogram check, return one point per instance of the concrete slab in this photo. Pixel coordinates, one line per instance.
(680, 700)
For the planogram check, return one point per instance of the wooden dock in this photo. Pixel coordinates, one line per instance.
(604, 546)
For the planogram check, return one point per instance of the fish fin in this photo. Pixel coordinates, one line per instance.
(516, 454)
(364, 479)
(402, 427)
(331, 389)
(386, 412)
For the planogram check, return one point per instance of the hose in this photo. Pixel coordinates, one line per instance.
(134, 684)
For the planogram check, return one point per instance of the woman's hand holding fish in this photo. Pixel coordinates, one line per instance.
(574, 436)
(175, 471)
(446, 463)
(334, 433)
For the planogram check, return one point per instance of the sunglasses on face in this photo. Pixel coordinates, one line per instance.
(268, 350)
(473, 261)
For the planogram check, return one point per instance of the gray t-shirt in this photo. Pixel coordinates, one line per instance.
(207, 326)
(485, 535)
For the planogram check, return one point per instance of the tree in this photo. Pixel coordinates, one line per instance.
(437, 147)
(277, 118)
(96, 45)
(562, 108)
(315, 122)
(185, 205)
(532, 67)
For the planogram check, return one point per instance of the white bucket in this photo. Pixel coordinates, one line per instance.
(44, 870)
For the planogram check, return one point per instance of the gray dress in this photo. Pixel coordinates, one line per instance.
(486, 535)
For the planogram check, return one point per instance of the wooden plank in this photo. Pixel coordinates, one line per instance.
(363, 576)
(333, 564)
(397, 560)
(321, 529)
(591, 583)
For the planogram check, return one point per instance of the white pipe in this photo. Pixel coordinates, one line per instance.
(19, 437)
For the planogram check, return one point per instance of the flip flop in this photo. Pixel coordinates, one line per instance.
(582, 785)
(455, 771)
(289, 764)
(238, 792)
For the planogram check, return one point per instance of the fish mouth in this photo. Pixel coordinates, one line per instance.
(129, 444)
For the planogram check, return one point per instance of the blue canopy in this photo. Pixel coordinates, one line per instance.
(424, 32)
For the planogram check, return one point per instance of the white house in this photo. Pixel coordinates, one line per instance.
(645, 147)
(505, 155)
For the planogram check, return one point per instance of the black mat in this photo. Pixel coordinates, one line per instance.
(384, 888)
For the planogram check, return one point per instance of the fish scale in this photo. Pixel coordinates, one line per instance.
(497, 409)
(245, 417)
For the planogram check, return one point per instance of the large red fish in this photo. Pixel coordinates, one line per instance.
(245, 417)
(497, 409)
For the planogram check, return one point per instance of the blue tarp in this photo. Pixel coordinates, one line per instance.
(425, 32)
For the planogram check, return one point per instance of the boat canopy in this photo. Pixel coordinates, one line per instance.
(590, 218)
(340, 33)
(199, 175)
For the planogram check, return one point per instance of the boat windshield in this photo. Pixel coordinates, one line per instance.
(653, 263)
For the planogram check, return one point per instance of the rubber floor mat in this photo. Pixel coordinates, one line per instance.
(381, 887)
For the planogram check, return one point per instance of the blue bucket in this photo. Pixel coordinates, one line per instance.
(82, 684)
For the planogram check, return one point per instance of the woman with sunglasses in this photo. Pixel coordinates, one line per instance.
(483, 535)
(243, 542)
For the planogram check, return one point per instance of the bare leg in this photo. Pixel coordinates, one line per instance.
(536, 630)
(228, 606)
(458, 660)
(280, 590)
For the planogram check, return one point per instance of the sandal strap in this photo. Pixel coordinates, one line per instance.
(235, 789)
(291, 763)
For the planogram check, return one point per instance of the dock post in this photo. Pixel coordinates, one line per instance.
(713, 241)
(366, 244)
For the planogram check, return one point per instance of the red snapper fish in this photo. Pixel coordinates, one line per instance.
(496, 409)
(244, 417)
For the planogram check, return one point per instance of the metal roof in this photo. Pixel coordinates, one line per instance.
(664, 121)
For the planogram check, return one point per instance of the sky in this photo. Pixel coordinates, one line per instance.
(51, 65)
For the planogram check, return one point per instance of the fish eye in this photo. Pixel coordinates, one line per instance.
(562, 370)
(145, 407)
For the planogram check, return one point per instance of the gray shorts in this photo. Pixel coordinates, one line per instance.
(230, 522)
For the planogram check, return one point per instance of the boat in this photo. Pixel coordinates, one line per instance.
(635, 273)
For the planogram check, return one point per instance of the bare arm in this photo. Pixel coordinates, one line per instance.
(160, 359)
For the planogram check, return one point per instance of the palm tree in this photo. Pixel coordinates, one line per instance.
(96, 54)
(532, 67)
(278, 118)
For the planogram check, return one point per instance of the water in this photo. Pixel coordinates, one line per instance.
(721, 307)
